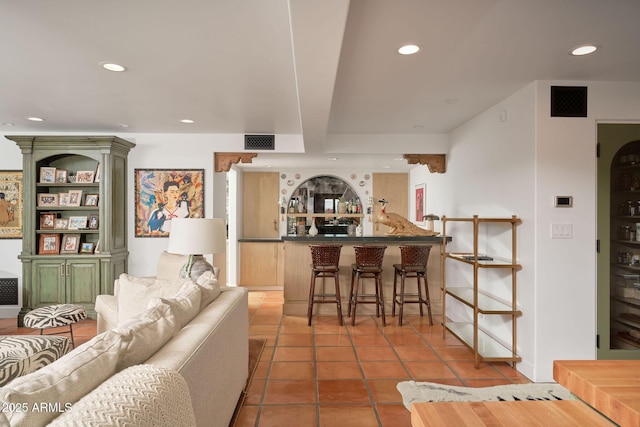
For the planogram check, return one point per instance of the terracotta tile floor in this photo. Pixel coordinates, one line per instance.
(330, 375)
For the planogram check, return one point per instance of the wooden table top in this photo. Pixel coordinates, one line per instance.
(610, 386)
(508, 414)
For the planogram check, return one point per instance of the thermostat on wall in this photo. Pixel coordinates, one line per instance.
(564, 201)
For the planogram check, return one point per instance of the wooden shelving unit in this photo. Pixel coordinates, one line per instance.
(484, 345)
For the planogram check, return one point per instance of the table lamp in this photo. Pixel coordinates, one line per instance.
(196, 237)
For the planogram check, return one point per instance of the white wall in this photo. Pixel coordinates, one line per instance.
(517, 166)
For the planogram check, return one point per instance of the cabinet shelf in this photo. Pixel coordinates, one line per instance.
(488, 348)
(324, 215)
(484, 347)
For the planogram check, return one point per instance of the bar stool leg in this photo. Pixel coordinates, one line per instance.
(380, 297)
(395, 293)
(420, 299)
(338, 302)
(354, 296)
(401, 304)
(353, 275)
(427, 299)
(312, 287)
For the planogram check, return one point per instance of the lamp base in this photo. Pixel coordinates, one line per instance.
(195, 267)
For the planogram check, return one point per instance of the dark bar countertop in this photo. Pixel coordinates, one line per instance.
(348, 239)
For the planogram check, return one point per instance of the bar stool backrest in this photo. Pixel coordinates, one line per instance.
(369, 256)
(325, 255)
(415, 255)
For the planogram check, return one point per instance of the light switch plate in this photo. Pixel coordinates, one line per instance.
(561, 231)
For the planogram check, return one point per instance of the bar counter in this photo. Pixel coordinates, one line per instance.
(297, 273)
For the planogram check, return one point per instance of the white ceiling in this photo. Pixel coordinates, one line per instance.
(323, 74)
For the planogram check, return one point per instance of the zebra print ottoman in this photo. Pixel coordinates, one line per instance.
(23, 354)
(55, 316)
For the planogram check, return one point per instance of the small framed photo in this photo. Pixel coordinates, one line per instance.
(47, 175)
(93, 222)
(70, 244)
(47, 220)
(85, 177)
(61, 223)
(46, 199)
(63, 199)
(91, 200)
(97, 177)
(96, 250)
(61, 176)
(87, 248)
(77, 223)
(49, 244)
(75, 197)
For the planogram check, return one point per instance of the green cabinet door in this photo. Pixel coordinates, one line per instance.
(49, 280)
(83, 283)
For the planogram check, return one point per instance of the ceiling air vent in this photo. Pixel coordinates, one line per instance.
(259, 142)
(568, 101)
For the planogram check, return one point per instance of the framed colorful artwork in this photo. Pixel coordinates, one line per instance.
(164, 194)
(47, 175)
(87, 248)
(49, 244)
(85, 177)
(10, 204)
(47, 220)
(77, 222)
(47, 199)
(91, 200)
(93, 222)
(419, 203)
(70, 244)
(75, 197)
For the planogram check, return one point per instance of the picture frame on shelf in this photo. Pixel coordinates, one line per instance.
(419, 201)
(77, 223)
(96, 178)
(93, 222)
(162, 194)
(61, 223)
(61, 176)
(47, 199)
(85, 177)
(11, 204)
(63, 199)
(91, 199)
(75, 197)
(49, 244)
(96, 250)
(47, 220)
(70, 244)
(47, 175)
(86, 248)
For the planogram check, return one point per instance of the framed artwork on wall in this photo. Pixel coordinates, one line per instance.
(164, 194)
(419, 201)
(10, 204)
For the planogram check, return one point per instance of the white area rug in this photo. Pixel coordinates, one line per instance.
(432, 392)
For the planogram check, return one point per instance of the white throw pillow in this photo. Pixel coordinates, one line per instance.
(145, 334)
(56, 387)
(136, 292)
(209, 287)
(184, 306)
(170, 265)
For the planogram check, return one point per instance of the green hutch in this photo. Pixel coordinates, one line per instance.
(66, 260)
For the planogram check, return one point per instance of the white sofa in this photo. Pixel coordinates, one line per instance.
(207, 347)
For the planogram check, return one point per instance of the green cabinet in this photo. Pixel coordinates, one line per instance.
(64, 258)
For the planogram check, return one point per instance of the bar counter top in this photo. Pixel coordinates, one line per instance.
(345, 238)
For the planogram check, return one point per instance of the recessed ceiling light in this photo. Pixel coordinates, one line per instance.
(188, 121)
(8, 124)
(110, 66)
(34, 119)
(333, 159)
(583, 50)
(408, 49)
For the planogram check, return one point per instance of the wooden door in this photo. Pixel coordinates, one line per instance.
(82, 286)
(394, 187)
(261, 264)
(260, 204)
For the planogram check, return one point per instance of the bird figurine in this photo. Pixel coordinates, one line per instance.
(400, 226)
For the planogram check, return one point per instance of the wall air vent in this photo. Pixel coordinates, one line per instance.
(259, 142)
(568, 101)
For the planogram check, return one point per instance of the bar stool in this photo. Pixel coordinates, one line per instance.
(325, 263)
(414, 264)
(368, 265)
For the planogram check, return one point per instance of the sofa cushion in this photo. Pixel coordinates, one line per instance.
(135, 293)
(144, 334)
(169, 265)
(141, 396)
(209, 287)
(61, 384)
(184, 306)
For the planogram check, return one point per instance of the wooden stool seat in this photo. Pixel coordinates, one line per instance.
(413, 264)
(325, 263)
(368, 265)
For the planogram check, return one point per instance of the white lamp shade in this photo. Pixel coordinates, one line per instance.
(197, 236)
